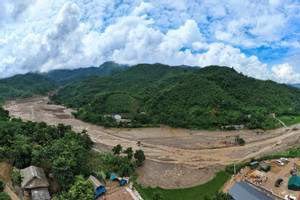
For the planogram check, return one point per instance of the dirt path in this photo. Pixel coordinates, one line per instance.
(175, 157)
(11, 193)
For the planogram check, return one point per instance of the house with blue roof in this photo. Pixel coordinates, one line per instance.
(243, 191)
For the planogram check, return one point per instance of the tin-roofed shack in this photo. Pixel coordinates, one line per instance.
(34, 184)
(254, 164)
(98, 186)
(265, 167)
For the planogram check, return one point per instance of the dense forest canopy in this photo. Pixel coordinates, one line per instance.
(66, 76)
(21, 86)
(189, 97)
(61, 152)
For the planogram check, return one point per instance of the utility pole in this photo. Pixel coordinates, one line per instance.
(234, 167)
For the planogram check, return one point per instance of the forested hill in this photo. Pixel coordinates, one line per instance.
(21, 86)
(65, 76)
(197, 98)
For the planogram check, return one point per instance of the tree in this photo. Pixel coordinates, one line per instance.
(81, 189)
(4, 196)
(21, 152)
(129, 152)
(117, 149)
(2, 186)
(222, 196)
(4, 114)
(103, 176)
(63, 170)
(157, 195)
(240, 141)
(16, 176)
(139, 156)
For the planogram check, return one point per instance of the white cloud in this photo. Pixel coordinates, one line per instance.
(285, 73)
(44, 35)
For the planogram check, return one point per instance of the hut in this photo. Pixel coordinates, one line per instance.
(254, 164)
(98, 186)
(265, 167)
(294, 183)
(40, 194)
(34, 184)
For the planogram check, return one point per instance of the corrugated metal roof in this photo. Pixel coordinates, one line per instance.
(40, 194)
(243, 191)
(95, 182)
(33, 177)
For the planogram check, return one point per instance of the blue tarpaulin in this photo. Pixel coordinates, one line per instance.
(112, 176)
(123, 182)
(100, 191)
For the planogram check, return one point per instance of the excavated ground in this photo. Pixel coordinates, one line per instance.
(175, 158)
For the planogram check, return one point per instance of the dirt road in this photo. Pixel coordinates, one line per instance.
(175, 158)
(11, 193)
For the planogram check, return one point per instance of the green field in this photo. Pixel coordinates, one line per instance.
(208, 189)
(290, 120)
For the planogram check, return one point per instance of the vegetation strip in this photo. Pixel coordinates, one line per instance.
(208, 190)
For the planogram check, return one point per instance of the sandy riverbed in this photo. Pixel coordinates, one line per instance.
(175, 158)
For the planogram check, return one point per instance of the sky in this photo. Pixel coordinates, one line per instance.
(260, 38)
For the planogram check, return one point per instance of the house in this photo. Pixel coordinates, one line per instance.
(98, 186)
(233, 127)
(243, 191)
(265, 167)
(117, 117)
(40, 193)
(294, 183)
(34, 184)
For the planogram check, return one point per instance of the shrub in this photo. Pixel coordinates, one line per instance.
(4, 196)
(2, 186)
(240, 141)
(16, 176)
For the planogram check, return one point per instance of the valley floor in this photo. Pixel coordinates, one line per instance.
(175, 158)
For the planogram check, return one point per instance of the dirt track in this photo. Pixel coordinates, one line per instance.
(176, 158)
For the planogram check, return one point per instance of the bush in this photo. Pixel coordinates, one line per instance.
(240, 141)
(2, 186)
(4, 196)
(16, 176)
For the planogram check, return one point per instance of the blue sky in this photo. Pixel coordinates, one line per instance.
(260, 38)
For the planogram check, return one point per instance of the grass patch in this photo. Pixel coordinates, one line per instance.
(289, 120)
(208, 189)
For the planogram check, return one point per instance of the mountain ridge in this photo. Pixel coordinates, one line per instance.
(196, 98)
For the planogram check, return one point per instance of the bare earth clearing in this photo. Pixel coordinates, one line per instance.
(175, 158)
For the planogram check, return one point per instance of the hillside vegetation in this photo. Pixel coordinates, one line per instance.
(195, 98)
(66, 76)
(21, 86)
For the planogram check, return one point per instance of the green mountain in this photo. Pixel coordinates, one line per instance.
(191, 97)
(21, 86)
(66, 76)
